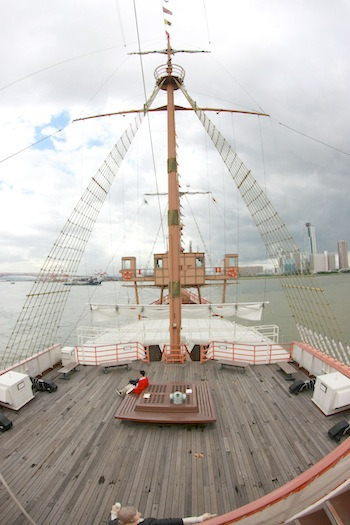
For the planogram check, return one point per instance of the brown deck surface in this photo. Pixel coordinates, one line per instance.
(67, 458)
(154, 404)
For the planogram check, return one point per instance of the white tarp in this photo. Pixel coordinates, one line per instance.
(250, 311)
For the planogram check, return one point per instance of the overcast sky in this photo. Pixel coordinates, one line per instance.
(65, 59)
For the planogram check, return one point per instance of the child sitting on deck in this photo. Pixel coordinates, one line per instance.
(135, 385)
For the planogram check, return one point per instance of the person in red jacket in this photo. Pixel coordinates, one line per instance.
(135, 385)
(131, 516)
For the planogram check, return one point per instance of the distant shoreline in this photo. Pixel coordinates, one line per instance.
(12, 278)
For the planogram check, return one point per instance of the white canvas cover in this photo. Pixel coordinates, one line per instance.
(249, 311)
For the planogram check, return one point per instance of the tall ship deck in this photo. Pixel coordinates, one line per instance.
(233, 420)
(67, 456)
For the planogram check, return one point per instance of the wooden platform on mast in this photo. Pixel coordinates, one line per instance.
(155, 405)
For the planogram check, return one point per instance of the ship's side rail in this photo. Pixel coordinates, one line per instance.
(38, 363)
(305, 356)
(255, 354)
(328, 477)
(315, 361)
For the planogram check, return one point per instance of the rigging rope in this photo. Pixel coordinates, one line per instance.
(55, 65)
(46, 137)
(38, 323)
(199, 231)
(18, 503)
(316, 140)
(209, 207)
(148, 122)
(265, 183)
(206, 22)
(120, 22)
(315, 321)
(151, 254)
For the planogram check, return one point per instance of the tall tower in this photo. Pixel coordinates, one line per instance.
(312, 236)
(343, 255)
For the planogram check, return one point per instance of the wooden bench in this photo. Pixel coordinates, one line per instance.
(235, 364)
(115, 364)
(71, 367)
(288, 369)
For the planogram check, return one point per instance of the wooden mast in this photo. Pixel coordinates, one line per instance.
(179, 269)
(174, 226)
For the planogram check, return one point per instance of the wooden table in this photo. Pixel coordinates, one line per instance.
(154, 405)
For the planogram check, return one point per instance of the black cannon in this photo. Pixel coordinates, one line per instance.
(43, 385)
(339, 430)
(5, 423)
(300, 385)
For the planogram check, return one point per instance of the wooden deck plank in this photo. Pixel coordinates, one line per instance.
(150, 476)
(68, 460)
(158, 474)
(211, 496)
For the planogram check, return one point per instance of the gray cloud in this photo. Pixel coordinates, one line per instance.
(289, 58)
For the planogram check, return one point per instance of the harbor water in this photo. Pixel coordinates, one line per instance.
(269, 290)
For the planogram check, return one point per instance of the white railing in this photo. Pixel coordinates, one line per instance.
(98, 354)
(255, 354)
(88, 333)
(270, 331)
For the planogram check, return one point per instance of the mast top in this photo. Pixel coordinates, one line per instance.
(168, 50)
(169, 72)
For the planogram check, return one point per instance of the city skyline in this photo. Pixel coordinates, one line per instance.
(326, 261)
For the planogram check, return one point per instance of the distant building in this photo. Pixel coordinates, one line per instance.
(331, 260)
(292, 263)
(250, 271)
(289, 266)
(312, 237)
(343, 255)
(302, 263)
(318, 262)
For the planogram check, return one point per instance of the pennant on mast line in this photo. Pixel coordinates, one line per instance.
(167, 22)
